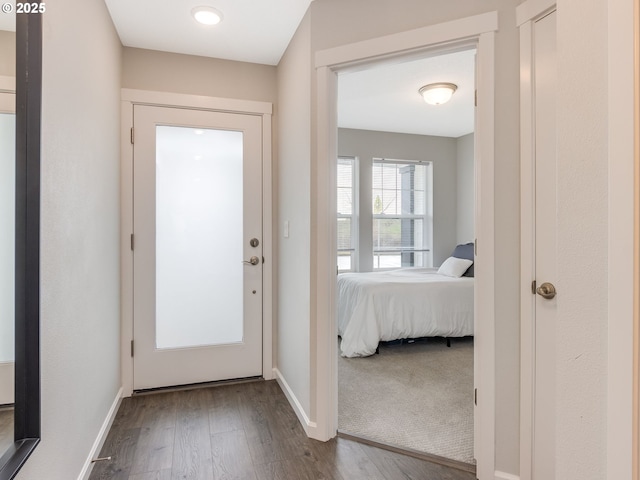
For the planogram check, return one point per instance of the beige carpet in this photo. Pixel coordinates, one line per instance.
(417, 396)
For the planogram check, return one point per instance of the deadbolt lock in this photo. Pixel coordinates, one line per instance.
(254, 242)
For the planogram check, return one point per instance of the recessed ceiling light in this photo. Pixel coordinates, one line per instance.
(207, 15)
(437, 93)
(197, 131)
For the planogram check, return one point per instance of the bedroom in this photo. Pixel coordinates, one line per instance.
(385, 126)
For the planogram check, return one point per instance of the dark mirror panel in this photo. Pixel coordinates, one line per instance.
(24, 414)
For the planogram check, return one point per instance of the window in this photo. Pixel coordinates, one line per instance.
(347, 225)
(401, 197)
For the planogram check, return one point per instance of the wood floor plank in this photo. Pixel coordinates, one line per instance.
(192, 458)
(6, 429)
(240, 432)
(154, 451)
(224, 412)
(231, 458)
(157, 475)
(131, 412)
(349, 458)
(120, 446)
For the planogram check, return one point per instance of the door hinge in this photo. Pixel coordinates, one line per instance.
(475, 247)
(475, 397)
(132, 348)
(131, 135)
(475, 99)
(533, 287)
(132, 242)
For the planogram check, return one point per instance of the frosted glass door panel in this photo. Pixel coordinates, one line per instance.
(199, 237)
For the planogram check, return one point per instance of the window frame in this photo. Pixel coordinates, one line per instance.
(355, 227)
(426, 217)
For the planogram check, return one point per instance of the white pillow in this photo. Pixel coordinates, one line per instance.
(454, 267)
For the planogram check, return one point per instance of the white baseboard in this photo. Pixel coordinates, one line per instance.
(506, 476)
(102, 436)
(309, 426)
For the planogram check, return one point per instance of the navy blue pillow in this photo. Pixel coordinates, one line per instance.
(465, 251)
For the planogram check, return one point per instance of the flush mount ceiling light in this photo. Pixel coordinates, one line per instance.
(207, 15)
(437, 93)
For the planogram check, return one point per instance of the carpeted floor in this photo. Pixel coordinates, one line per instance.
(417, 396)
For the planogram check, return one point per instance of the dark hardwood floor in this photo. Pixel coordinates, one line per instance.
(239, 431)
(6, 428)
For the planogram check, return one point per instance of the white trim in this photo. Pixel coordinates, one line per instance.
(308, 425)
(527, 257)
(408, 41)
(129, 98)
(505, 476)
(268, 251)
(102, 436)
(531, 9)
(166, 99)
(7, 84)
(475, 31)
(126, 255)
(484, 296)
(620, 340)
(527, 13)
(325, 363)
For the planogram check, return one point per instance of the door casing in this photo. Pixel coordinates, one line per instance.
(131, 97)
(478, 31)
(528, 16)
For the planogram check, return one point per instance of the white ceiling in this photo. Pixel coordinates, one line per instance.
(386, 98)
(255, 31)
(383, 98)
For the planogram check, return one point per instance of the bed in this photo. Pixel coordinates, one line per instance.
(402, 304)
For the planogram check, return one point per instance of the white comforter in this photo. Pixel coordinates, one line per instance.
(406, 303)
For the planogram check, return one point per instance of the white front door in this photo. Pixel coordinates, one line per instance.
(197, 246)
(545, 221)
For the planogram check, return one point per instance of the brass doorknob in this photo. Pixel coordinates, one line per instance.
(546, 290)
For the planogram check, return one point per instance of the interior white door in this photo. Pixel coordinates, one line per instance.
(544, 88)
(197, 246)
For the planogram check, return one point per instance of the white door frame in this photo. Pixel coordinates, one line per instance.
(623, 282)
(478, 31)
(526, 14)
(129, 98)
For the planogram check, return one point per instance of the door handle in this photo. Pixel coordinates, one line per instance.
(546, 290)
(252, 261)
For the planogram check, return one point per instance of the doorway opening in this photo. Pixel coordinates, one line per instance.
(405, 204)
(471, 32)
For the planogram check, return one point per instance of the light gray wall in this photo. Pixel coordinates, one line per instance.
(190, 74)
(465, 189)
(441, 151)
(339, 22)
(294, 180)
(80, 278)
(7, 53)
